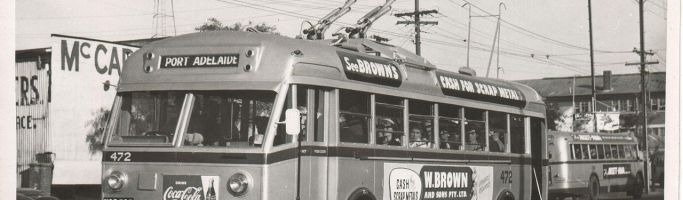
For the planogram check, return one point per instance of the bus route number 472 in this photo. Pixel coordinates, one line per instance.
(120, 157)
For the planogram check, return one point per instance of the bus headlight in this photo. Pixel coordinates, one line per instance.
(116, 180)
(238, 184)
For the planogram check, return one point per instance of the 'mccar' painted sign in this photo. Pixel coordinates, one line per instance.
(191, 61)
(371, 70)
(470, 88)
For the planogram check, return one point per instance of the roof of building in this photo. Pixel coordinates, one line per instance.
(621, 84)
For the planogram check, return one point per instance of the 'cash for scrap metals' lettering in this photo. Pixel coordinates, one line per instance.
(478, 88)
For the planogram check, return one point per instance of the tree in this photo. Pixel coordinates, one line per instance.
(214, 24)
(96, 130)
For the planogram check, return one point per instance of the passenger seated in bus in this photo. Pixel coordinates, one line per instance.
(416, 139)
(447, 142)
(496, 143)
(387, 138)
(351, 129)
(473, 143)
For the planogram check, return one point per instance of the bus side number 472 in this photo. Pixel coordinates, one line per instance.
(506, 176)
(120, 157)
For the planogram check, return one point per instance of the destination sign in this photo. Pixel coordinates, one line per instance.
(368, 69)
(470, 88)
(192, 61)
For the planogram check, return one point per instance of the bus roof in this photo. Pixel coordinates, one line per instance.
(622, 137)
(227, 60)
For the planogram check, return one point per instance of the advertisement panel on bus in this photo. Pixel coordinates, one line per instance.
(436, 182)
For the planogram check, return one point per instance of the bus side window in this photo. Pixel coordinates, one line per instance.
(498, 132)
(389, 120)
(517, 134)
(576, 151)
(627, 152)
(615, 151)
(593, 151)
(601, 151)
(584, 151)
(475, 125)
(450, 132)
(622, 153)
(608, 152)
(421, 124)
(354, 116)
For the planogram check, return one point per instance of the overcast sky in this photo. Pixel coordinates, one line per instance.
(555, 32)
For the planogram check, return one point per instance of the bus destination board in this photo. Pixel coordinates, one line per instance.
(194, 61)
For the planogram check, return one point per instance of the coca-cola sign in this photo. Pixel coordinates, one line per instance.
(190, 187)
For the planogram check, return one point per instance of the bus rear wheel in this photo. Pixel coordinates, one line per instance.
(593, 188)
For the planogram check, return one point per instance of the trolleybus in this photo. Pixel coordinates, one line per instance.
(245, 115)
(588, 164)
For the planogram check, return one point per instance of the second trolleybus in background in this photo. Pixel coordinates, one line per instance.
(587, 164)
(213, 115)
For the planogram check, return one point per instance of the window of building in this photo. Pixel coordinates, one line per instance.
(450, 132)
(354, 116)
(657, 104)
(389, 116)
(475, 125)
(421, 124)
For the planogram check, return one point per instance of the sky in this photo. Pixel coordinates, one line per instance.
(538, 38)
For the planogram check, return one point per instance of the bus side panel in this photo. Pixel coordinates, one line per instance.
(318, 176)
(282, 180)
(520, 183)
(353, 174)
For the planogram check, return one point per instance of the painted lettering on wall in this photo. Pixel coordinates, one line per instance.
(105, 58)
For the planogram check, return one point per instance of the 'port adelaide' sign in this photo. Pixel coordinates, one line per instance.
(436, 182)
(191, 61)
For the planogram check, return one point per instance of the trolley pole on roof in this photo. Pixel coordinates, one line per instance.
(416, 16)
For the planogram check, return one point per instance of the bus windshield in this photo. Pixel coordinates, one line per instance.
(216, 118)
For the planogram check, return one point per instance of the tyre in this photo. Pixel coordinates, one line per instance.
(593, 188)
(638, 186)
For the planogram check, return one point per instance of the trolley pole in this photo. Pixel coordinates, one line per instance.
(593, 98)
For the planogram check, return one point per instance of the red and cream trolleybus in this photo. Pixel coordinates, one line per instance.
(587, 164)
(246, 115)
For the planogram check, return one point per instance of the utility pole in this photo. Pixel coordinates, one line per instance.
(469, 26)
(416, 16)
(593, 99)
(643, 95)
(160, 16)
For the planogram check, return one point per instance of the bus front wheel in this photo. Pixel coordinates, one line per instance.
(593, 188)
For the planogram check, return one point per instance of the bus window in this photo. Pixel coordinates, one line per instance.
(319, 122)
(421, 124)
(601, 151)
(498, 123)
(474, 127)
(593, 151)
(627, 152)
(517, 134)
(615, 151)
(281, 136)
(389, 116)
(302, 106)
(147, 117)
(576, 151)
(450, 133)
(608, 152)
(584, 151)
(354, 116)
(622, 153)
(227, 119)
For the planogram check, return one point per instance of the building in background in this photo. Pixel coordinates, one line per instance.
(62, 107)
(568, 101)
